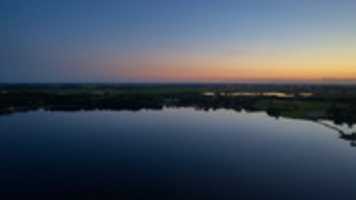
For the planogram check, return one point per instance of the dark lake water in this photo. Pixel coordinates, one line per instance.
(173, 154)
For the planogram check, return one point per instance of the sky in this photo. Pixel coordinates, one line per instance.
(177, 40)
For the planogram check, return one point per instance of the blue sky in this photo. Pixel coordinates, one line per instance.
(175, 40)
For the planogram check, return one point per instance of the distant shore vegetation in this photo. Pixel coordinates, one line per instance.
(313, 102)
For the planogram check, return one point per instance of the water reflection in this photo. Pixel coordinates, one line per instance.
(348, 135)
(173, 153)
(345, 130)
(259, 94)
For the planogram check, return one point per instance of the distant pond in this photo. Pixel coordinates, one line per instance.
(175, 153)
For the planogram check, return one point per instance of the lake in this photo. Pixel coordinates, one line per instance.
(174, 153)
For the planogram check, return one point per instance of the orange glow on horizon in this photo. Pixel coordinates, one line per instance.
(297, 68)
(293, 65)
(239, 74)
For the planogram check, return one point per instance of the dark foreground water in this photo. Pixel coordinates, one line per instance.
(173, 154)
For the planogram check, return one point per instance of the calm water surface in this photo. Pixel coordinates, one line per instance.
(173, 154)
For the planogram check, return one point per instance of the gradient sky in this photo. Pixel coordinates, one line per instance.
(177, 40)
